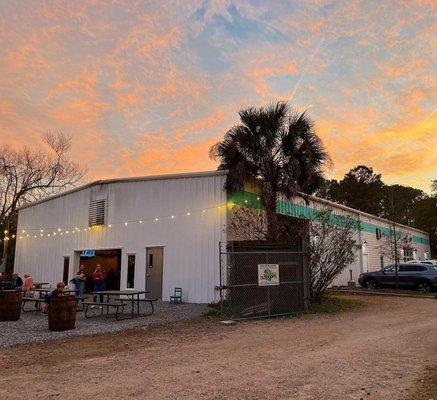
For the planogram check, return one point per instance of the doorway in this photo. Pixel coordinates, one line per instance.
(110, 260)
(154, 267)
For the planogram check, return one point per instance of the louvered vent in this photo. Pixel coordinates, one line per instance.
(97, 212)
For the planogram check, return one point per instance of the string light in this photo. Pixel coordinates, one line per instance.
(65, 231)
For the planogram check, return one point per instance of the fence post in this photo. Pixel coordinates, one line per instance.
(304, 263)
(220, 278)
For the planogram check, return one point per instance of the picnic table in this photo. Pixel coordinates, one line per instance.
(39, 285)
(41, 296)
(48, 290)
(133, 296)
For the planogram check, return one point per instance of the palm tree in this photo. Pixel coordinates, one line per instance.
(279, 148)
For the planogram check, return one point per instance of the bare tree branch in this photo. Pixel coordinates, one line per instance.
(29, 174)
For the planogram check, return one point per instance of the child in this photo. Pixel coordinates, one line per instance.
(58, 292)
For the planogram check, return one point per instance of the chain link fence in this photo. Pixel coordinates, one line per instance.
(245, 269)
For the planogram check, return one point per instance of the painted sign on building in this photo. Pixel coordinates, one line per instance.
(268, 274)
(88, 253)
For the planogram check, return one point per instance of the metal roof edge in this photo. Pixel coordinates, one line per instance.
(130, 179)
(346, 208)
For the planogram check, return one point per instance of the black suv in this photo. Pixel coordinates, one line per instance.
(423, 277)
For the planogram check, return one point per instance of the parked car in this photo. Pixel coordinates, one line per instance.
(423, 277)
(432, 262)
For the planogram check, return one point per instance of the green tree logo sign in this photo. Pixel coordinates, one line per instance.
(268, 274)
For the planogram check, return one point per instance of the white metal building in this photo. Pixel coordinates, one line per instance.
(157, 232)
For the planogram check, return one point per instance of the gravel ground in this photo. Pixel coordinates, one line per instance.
(33, 327)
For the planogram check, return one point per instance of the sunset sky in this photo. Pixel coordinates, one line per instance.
(146, 87)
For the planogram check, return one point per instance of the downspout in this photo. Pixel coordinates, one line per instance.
(360, 243)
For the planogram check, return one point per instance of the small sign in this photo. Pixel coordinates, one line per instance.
(268, 274)
(88, 253)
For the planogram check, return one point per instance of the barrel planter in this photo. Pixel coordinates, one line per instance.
(10, 305)
(62, 313)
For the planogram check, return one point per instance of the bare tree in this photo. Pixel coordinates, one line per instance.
(28, 174)
(248, 223)
(331, 248)
(390, 244)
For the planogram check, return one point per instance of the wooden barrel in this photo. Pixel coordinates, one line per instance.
(62, 313)
(10, 305)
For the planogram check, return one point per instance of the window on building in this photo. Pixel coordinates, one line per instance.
(408, 254)
(131, 271)
(66, 270)
(150, 260)
(97, 213)
(378, 233)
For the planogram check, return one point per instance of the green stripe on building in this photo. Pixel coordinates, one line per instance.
(286, 207)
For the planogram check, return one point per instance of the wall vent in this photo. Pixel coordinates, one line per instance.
(97, 212)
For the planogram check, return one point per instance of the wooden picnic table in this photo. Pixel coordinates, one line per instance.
(48, 290)
(41, 295)
(38, 285)
(132, 295)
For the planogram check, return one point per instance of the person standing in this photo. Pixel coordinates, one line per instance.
(99, 279)
(80, 282)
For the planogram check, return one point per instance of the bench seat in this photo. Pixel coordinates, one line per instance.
(117, 305)
(36, 300)
(150, 301)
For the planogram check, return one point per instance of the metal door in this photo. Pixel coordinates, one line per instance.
(154, 266)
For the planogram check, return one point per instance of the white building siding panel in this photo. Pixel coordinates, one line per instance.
(190, 242)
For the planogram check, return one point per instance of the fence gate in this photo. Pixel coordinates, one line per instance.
(262, 281)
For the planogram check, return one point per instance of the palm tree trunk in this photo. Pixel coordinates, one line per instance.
(269, 197)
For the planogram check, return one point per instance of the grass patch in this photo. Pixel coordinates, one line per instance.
(427, 385)
(330, 304)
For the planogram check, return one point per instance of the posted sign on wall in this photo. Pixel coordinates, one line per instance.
(268, 274)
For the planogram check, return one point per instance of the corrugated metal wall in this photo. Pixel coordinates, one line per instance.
(190, 242)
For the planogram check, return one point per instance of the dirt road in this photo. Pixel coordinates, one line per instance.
(378, 352)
